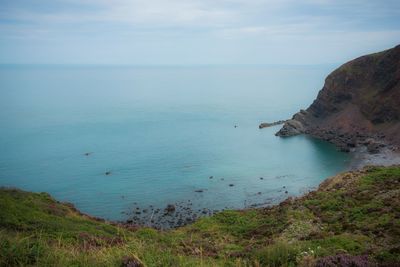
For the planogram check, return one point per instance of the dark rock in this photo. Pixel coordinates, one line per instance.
(170, 208)
(129, 261)
(290, 128)
(231, 185)
(351, 143)
(373, 148)
(345, 149)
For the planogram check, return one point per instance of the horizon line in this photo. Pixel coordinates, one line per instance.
(162, 65)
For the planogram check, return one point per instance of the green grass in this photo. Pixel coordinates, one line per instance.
(356, 214)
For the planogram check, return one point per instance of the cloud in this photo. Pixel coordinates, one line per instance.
(290, 29)
(194, 13)
(135, 12)
(240, 30)
(174, 12)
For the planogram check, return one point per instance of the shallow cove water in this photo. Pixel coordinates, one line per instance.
(161, 132)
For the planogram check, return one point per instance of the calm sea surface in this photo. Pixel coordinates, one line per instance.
(161, 132)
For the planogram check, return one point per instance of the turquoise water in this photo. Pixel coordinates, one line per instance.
(161, 132)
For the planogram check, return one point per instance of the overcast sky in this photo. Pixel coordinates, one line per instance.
(141, 32)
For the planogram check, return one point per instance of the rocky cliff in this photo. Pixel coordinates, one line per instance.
(359, 104)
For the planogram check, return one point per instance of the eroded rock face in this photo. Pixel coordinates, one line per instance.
(290, 128)
(360, 100)
(296, 125)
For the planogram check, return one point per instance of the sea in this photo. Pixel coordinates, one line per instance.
(114, 139)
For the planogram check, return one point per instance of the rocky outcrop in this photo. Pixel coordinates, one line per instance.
(359, 104)
(270, 124)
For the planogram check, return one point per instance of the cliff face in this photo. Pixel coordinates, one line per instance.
(358, 105)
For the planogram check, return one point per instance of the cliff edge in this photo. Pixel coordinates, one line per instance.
(359, 104)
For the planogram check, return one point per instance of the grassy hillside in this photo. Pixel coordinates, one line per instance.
(353, 219)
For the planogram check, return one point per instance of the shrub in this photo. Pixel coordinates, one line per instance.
(280, 254)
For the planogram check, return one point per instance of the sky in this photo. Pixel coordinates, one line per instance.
(195, 32)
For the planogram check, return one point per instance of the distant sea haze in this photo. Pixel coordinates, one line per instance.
(113, 139)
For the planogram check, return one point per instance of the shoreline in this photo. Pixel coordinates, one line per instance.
(174, 218)
(362, 158)
(182, 213)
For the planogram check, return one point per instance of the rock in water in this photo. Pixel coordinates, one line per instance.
(269, 124)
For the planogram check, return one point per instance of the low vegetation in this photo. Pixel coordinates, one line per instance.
(353, 219)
